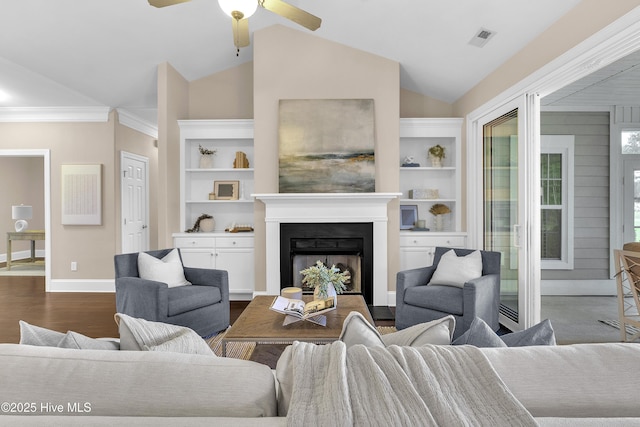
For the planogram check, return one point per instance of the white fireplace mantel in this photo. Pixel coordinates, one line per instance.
(323, 208)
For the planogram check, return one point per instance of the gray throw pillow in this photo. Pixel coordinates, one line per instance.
(481, 335)
(35, 335)
(540, 334)
(82, 342)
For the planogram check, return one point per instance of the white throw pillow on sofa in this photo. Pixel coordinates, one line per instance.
(166, 270)
(454, 270)
(357, 330)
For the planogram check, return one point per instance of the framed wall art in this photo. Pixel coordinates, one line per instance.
(226, 190)
(326, 146)
(408, 216)
(81, 194)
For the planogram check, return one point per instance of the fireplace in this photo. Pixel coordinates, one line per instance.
(321, 208)
(348, 246)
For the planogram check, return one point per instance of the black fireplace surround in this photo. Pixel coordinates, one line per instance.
(327, 239)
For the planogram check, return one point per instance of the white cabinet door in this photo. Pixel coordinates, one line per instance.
(239, 263)
(198, 258)
(415, 257)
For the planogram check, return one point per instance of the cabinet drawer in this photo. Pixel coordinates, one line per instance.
(194, 242)
(234, 242)
(432, 241)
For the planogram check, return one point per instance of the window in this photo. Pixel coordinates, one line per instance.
(630, 141)
(556, 190)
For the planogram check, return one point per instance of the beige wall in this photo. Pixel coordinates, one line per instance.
(92, 247)
(413, 104)
(224, 95)
(290, 64)
(173, 105)
(23, 183)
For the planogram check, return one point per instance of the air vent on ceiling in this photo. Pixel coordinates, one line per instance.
(481, 37)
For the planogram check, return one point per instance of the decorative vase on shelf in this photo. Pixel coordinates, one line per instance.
(436, 154)
(206, 157)
(438, 222)
(207, 225)
(206, 161)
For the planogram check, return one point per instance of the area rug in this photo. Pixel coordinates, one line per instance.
(631, 330)
(267, 354)
(24, 269)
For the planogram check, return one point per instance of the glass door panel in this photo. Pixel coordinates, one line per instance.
(631, 205)
(501, 225)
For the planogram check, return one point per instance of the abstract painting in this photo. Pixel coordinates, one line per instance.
(326, 146)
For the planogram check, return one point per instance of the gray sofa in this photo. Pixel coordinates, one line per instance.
(585, 385)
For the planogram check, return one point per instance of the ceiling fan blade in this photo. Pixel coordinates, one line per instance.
(292, 13)
(164, 3)
(240, 32)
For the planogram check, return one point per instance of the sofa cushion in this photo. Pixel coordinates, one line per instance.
(166, 270)
(138, 383)
(141, 334)
(444, 298)
(187, 298)
(454, 270)
(356, 330)
(480, 334)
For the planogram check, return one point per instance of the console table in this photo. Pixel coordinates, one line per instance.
(32, 235)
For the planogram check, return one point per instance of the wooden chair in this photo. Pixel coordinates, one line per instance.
(628, 281)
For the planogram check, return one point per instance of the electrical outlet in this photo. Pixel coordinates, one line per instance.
(74, 266)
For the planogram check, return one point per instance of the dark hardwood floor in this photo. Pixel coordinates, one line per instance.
(91, 314)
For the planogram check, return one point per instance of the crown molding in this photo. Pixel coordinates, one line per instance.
(130, 120)
(54, 114)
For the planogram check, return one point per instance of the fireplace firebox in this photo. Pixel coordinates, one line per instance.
(348, 246)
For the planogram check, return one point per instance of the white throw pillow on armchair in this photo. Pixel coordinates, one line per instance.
(166, 270)
(454, 270)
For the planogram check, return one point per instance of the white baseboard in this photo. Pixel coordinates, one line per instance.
(82, 285)
(19, 255)
(391, 298)
(578, 287)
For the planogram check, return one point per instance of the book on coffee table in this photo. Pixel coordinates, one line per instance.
(297, 310)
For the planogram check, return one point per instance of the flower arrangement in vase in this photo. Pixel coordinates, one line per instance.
(436, 154)
(325, 281)
(438, 210)
(206, 157)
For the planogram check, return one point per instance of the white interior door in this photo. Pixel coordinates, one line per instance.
(135, 202)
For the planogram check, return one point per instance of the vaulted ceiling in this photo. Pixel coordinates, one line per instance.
(78, 53)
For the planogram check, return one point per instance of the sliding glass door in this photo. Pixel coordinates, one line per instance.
(508, 197)
(500, 216)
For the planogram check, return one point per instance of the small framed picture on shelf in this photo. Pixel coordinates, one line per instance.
(408, 216)
(226, 190)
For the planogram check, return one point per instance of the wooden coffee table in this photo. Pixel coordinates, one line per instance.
(259, 324)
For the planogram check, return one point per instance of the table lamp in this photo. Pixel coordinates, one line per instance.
(21, 213)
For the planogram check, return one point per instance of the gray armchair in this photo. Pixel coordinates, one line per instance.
(418, 303)
(202, 306)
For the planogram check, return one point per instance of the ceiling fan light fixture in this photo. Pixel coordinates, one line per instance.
(246, 8)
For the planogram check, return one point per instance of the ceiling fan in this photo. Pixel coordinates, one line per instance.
(241, 10)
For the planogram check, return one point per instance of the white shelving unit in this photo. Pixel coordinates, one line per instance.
(226, 137)
(416, 137)
(233, 252)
